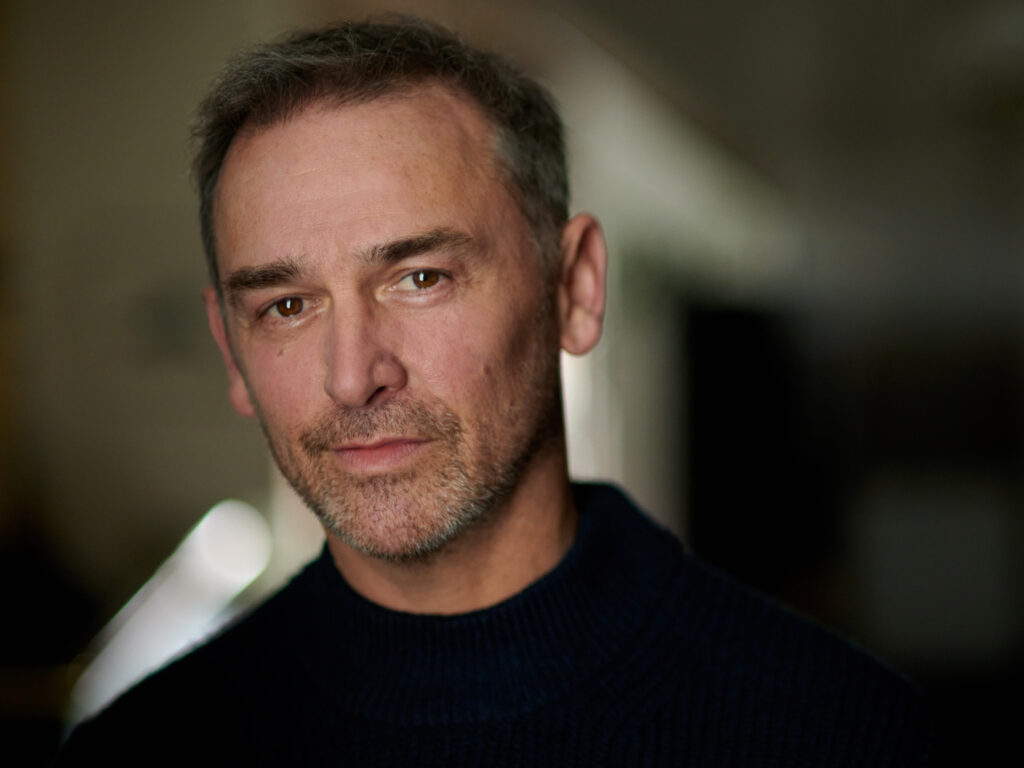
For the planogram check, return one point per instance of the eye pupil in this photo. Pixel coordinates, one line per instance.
(289, 307)
(425, 279)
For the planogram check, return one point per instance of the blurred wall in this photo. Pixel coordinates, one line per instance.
(122, 438)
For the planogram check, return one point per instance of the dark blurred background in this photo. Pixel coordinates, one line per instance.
(813, 363)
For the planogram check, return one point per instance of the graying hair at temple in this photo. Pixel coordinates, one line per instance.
(352, 63)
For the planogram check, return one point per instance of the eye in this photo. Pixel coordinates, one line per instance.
(421, 279)
(287, 307)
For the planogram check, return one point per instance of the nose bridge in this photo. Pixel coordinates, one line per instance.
(361, 364)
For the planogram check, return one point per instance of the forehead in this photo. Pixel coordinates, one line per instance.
(403, 161)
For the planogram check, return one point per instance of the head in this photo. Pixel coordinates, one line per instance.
(391, 288)
(353, 63)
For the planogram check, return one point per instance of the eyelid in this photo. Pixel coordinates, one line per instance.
(442, 277)
(266, 310)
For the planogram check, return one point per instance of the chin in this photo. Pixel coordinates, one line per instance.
(395, 526)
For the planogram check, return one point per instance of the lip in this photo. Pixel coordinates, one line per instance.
(379, 456)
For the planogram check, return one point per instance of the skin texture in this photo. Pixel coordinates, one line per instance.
(387, 319)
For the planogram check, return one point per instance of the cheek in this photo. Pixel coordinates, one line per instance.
(283, 380)
(473, 357)
(446, 356)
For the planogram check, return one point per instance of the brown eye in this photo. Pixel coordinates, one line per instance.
(425, 278)
(288, 307)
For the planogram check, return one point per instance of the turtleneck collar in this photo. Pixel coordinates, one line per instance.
(500, 661)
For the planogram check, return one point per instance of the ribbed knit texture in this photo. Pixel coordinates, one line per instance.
(630, 653)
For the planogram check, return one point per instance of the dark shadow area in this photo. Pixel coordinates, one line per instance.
(782, 449)
(48, 620)
(765, 480)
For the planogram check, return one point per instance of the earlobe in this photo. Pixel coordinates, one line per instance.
(238, 390)
(581, 288)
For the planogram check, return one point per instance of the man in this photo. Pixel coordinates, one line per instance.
(394, 271)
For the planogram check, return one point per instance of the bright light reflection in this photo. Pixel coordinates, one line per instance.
(187, 598)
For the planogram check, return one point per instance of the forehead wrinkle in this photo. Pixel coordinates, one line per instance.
(441, 238)
(474, 134)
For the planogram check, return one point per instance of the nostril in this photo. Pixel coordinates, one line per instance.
(378, 394)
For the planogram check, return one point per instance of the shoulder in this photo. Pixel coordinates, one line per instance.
(813, 693)
(759, 637)
(808, 691)
(718, 618)
(733, 665)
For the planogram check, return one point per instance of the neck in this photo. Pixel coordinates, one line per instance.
(521, 539)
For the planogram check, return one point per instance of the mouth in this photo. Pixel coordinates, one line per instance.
(380, 456)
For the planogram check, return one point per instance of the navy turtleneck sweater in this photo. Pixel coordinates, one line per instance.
(630, 652)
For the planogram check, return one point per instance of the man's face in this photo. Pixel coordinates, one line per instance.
(388, 317)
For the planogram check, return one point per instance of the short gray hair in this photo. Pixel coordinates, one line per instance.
(351, 63)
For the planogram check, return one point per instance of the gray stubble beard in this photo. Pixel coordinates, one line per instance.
(461, 493)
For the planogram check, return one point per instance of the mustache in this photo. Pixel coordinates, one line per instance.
(406, 419)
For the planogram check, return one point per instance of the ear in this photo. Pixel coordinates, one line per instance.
(238, 390)
(581, 284)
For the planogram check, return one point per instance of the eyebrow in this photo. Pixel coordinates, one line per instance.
(286, 270)
(406, 247)
(264, 276)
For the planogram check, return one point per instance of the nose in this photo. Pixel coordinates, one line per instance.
(362, 364)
